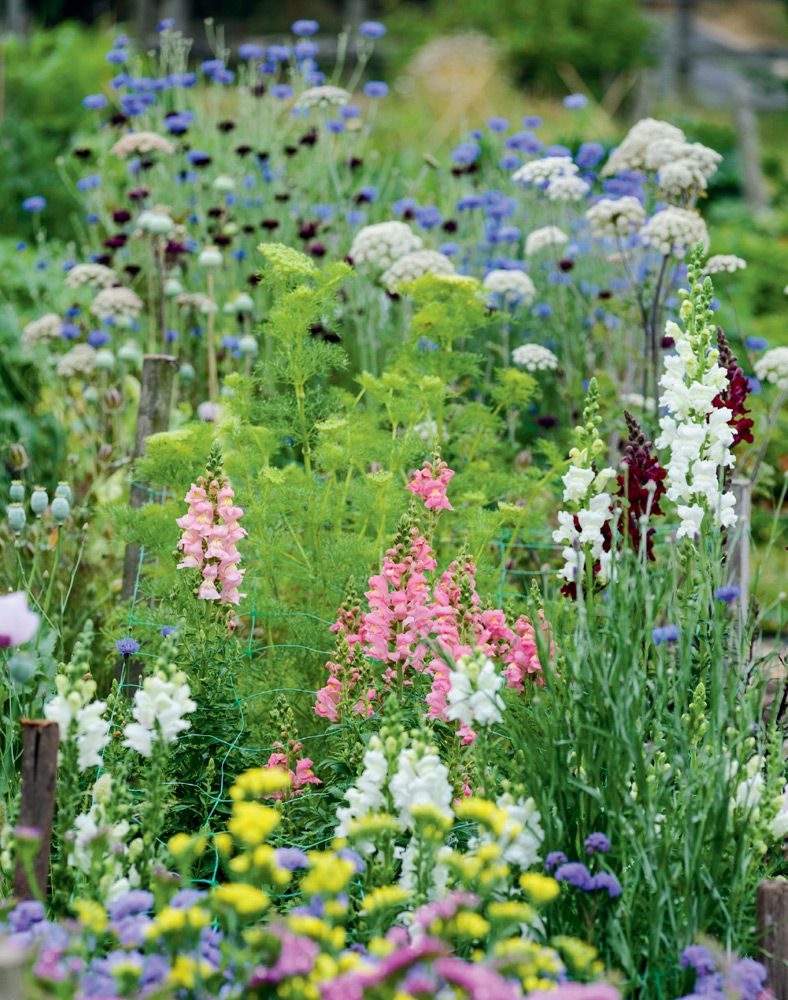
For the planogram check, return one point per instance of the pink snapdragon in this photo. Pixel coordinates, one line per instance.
(430, 483)
(210, 532)
(299, 768)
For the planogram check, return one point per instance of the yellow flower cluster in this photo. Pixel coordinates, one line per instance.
(260, 781)
(328, 874)
(251, 823)
(247, 900)
(384, 897)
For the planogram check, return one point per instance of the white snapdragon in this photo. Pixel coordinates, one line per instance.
(422, 779)
(616, 216)
(772, 367)
(80, 718)
(415, 265)
(697, 433)
(514, 288)
(381, 244)
(535, 358)
(159, 710)
(474, 698)
(101, 845)
(546, 238)
(367, 795)
(521, 836)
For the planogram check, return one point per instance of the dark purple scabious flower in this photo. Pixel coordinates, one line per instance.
(127, 647)
(575, 102)
(608, 883)
(554, 859)
(667, 634)
(376, 88)
(699, 958)
(596, 843)
(291, 858)
(576, 874)
(304, 27)
(36, 203)
(372, 29)
(94, 102)
(728, 593)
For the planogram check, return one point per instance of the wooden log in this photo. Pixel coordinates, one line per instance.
(749, 147)
(12, 964)
(772, 922)
(153, 417)
(40, 739)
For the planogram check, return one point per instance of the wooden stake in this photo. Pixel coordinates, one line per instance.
(12, 964)
(40, 739)
(772, 919)
(153, 417)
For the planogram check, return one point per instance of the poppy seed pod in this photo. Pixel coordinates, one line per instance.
(61, 508)
(39, 501)
(63, 490)
(210, 257)
(17, 491)
(16, 517)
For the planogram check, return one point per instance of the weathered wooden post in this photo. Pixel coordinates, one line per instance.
(40, 739)
(12, 963)
(749, 147)
(772, 919)
(153, 417)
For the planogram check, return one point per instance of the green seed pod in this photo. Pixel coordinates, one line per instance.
(16, 517)
(186, 373)
(17, 491)
(61, 508)
(21, 667)
(39, 501)
(63, 490)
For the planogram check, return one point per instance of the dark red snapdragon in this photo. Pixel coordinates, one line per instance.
(642, 484)
(735, 394)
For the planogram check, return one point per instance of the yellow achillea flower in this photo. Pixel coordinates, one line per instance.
(539, 888)
(259, 781)
(317, 929)
(372, 823)
(91, 914)
(380, 947)
(252, 822)
(483, 812)
(328, 874)
(223, 843)
(468, 925)
(510, 911)
(179, 844)
(185, 970)
(579, 954)
(386, 895)
(244, 899)
(168, 921)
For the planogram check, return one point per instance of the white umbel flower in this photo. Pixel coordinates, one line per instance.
(474, 698)
(415, 265)
(535, 358)
(116, 302)
(772, 367)
(567, 188)
(544, 170)
(616, 216)
(38, 331)
(545, 238)
(381, 244)
(511, 287)
(631, 154)
(323, 97)
(724, 263)
(140, 144)
(80, 360)
(93, 275)
(674, 231)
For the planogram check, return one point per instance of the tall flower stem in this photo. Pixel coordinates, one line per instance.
(213, 378)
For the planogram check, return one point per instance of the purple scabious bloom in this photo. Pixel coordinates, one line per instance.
(291, 858)
(94, 102)
(250, 51)
(24, 915)
(304, 27)
(746, 978)
(348, 854)
(127, 647)
(376, 88)
(36, 203)
(575, 102)
(576, 874)
(130, 903)
(728, 593)
(596, 843)
(667, 634)
(699, 958)
(167, 630)
(185, 898)
(606, 882)
(372, 29)
(554, 859)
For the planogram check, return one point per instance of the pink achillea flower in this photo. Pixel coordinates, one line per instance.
(430, 483)
(209, 535)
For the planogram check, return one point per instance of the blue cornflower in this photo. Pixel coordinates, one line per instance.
(465, 153)
(230, 342)
(72, 311)
(279, 53)
(70, 331)
(372, 29)
(178, 122)
(496, 124)
(120, 81)
(89, 183)
(21, 245)
(305, 49)
(198, 156)
(127, 647)
(223, 76)
(576, 874)
(168, 630)
(315, 78)
(543, 310)
(211, 66)
(403, 205)
(589, 154)
(558, 150)
(94, 102)
(170, 336)
(291, 858)
(532, 121)
(596, 842)
(355, 217)
(117, 56)
(667, 634)
(756, 343)
(166, 25)
(98, 338)
(348, 854)
(42, 265)
(304, 27)
(134, 104)
(251, 51)
(728, 593)
(449, 249)
(575, 102)
(469, 201)
(554, 859)
(335, 125)
(428, 216)
(183, 79)
(425, 344)
(524, 142)
(376, 88)
(606, 882)
(754, 383)
(281, 91)
(350, 111)
(36, 203)
(509, 162)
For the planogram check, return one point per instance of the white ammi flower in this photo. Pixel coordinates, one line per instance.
(772, 367)
(510, 286)
(415, 265)
(381, 244)
(543, 239)
(616, 216)
(535, 358)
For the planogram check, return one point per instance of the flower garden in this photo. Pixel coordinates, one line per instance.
(382, 611)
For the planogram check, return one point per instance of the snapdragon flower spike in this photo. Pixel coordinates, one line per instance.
(430, 483)
(735, 395)
(299, 768)
(210, 533)
(642, 484)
